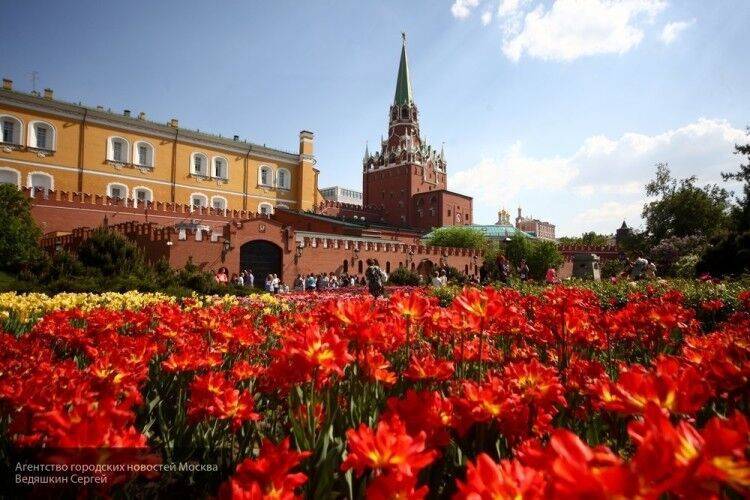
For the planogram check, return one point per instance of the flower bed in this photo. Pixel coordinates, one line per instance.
(550, 394)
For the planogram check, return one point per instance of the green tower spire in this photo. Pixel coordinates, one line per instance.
(403, 84)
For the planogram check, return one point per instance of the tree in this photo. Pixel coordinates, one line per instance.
(19, 239)
(110, 253)
(457, 237)
(668, 252)
(684, 209)
(741, 212)
(728, 254)
(590, 238)
(544, 255)
(540, 255)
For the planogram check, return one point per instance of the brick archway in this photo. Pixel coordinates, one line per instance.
(263, 258)
(426, 268)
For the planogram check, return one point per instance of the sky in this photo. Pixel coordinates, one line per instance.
(562, 107)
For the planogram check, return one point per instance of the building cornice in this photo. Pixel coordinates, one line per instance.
(137, 125)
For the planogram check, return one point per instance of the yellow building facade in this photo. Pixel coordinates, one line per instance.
(47, 144)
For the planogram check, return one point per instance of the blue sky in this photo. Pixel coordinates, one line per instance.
(562, 107)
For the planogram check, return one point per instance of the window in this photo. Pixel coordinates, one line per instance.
(219, 203)
(40, 182)
(41, 136)
(142, 195)
(199, 165)
(265, 209)
(118, 150)
(283, 178)
(11, 129)
(265, 175)
(198, 200)
(144, 154)
(220, 168)
(10, 176)
(117, 191)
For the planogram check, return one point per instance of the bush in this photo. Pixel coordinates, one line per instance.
(612, 267)
(685, 266)
(726, 255)
(404, 276)
(109, 253)
(668, 252)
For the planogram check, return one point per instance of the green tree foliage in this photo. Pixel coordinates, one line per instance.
(19, 239)
(540, 255)
(458, 237)
(403, 276)
(684, 209)
(110, 253)
(741, 212)
(728, 254)
(590, 238)
(668, 252)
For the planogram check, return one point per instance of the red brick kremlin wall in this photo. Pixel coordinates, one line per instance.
(322, 245)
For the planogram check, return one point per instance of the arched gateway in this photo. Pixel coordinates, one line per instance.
(263, 258)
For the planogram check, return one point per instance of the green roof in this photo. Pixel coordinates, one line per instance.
(495, 231)
(403, 83)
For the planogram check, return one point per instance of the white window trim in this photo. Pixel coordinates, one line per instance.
(192, 164)
(213, 167)
(143, 188)
(288, 183)
(137, 156)
(118, 184)
(217, 197)
(262, 204)
(111, 150)
(21, 135)
(271, 175)
(17, 172)
(31, 135)
(29, 184)
(203, 195)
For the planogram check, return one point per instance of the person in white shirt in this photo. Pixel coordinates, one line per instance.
(436, 281)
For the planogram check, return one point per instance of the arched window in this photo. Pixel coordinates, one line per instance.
(219, 202)
(346, 265)
(12, 127)
(118, 150)
(198, 200)
(283, 179)
(10, 176)
(359, 267)
(41, 136)
(220, 168)
(117, 191)
(143, 154)
(40, 182)
(142, 195)
(265, 175)
(199, 164)
(265, 208)
(388, 267)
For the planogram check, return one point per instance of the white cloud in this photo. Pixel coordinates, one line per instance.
(608, 174)
(486, 17)
(672, 30)
(492, 180)
(570, 29)
(608, 212)
(462, 8)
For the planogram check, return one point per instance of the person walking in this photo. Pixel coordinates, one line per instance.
(375, 278)
(523, 270)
